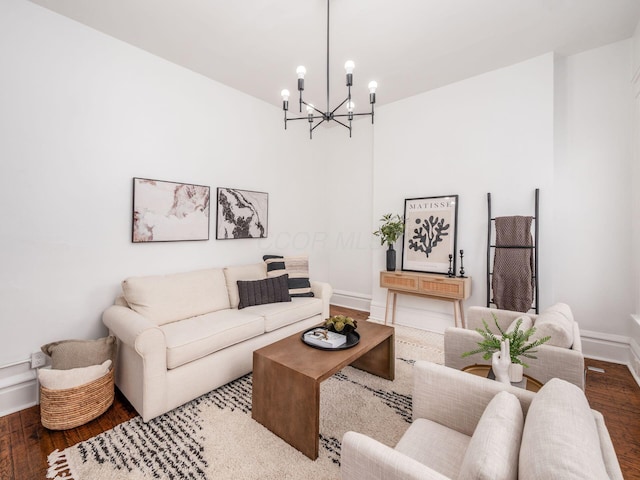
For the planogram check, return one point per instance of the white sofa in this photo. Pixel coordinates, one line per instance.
(182, 335)
(468, 427)
(561, 357)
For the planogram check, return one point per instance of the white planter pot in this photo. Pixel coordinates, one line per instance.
(515, 372)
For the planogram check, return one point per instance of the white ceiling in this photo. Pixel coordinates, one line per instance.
(408, 46)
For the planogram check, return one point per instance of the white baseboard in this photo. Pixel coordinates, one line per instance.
(634, 360)
(430, 320)
(605, 346)
(18, 388)
(355, 300)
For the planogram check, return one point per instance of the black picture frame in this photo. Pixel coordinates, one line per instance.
(165, 211)
(241, 214)
(430, 234)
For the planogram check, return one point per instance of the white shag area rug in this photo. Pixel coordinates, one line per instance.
(214, 437)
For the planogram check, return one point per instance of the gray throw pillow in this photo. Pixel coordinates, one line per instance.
(67, 354)
(259, 292)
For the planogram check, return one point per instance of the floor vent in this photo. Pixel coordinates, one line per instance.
(595, 369)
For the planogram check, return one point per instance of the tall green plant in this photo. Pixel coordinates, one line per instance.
(391, 229)
(517, 342)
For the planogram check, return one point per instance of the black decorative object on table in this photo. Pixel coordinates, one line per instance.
(391, 259)
(461, 265)
(450, 272)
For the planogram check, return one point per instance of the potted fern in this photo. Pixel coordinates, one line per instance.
(518, 346)
(389, 232)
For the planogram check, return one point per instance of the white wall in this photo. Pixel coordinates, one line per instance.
(592, 230)
(81, 114)
(491, 133)
(347, 198)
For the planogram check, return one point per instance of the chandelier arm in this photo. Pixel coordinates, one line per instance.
(354, 114)
(301, 118)
(317, 124)
(343, 102)
(338, 121)
(309, 105)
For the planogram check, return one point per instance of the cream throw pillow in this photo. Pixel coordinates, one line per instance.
(526, 324)
(64, 379)
(555, 324)
(67, 354)
(493, 451)
(560, 438)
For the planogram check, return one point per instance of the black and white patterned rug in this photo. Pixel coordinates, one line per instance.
(214, 437)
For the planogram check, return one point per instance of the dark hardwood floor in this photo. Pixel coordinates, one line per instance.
(25, 444)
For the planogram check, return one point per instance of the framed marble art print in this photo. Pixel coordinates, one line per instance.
(169, 211)
(241, 214)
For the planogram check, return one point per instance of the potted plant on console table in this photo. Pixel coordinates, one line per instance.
(389, 232)
(511, 343)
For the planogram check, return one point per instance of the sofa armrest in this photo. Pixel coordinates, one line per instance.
(363, 457)
(324, 291)
(137, 332)
(456, 399)
(476, 314)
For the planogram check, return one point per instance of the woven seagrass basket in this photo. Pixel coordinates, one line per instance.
(72, 407)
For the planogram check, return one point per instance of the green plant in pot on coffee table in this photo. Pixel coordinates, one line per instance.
(340, 324)
(517, 342)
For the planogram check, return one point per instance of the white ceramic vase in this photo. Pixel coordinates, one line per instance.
(515, 372)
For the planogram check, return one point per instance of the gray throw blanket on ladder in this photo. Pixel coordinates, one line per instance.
(512, 280)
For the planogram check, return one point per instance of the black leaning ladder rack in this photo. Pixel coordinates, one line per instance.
(534, 247)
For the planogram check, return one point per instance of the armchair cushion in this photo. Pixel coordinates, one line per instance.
(556, 323)
(560, 437)
(526, 324)
(438, 447)
(493, 451)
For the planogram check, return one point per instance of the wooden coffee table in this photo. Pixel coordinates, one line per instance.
(287, 376)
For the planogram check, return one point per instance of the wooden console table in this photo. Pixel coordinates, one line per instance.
(430, 285)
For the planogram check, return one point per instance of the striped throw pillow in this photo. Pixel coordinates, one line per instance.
(296, 267)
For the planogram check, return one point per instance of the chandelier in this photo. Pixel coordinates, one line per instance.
(313, 114)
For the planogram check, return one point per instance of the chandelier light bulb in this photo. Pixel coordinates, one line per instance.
(285, 94)
(351, 106)
(349, 66)
(310, 109)
(301, 71)
(372, 86)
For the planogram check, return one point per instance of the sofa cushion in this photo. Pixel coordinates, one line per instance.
(200, 336)
(555, 323)
(494, 447)
(296, 267)
(259, 292)
(74, 377)
(434, 445)
(560, 437)
(68, 354)
(278, 315)
(254, 271)
(168, 298)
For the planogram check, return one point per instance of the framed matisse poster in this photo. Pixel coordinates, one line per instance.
(241, 214)
(169, 211)
(430, 231)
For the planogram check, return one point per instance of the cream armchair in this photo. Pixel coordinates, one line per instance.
(561, 357)
(468, 427)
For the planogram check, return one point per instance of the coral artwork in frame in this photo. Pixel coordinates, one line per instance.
(430, 232)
